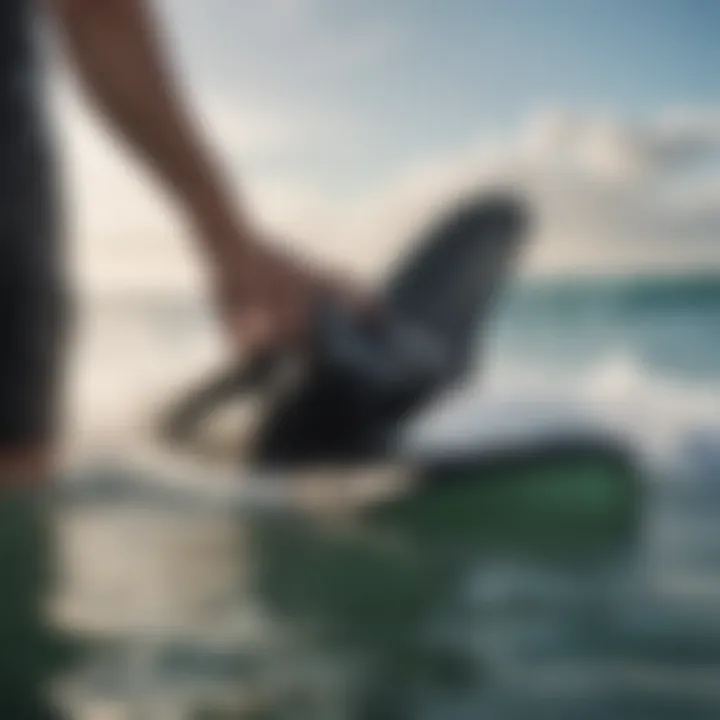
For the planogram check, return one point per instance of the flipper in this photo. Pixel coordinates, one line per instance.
(363, 378)
(450, 283)
(366, 379)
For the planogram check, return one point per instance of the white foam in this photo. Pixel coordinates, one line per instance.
(658, 413)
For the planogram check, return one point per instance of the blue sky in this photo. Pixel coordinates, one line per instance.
(319, 106)
(436, 73)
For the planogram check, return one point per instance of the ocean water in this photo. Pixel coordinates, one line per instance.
(642, 350)
(184, 611)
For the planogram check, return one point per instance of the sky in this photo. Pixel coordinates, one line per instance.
(344, 123)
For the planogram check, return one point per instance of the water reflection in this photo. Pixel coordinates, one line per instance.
(30, 652)
(447, 607)
(442, 608)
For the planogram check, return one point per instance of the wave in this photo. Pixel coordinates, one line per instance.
(671, 420)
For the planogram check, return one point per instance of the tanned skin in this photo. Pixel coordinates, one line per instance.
(117, 49)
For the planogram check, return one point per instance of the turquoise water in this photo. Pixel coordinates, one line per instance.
(175, 612)
(666, 324)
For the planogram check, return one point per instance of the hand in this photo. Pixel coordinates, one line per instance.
(267, 296)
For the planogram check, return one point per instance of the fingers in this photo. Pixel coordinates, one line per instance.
(277, 315)
(270, 301)
(252, 329)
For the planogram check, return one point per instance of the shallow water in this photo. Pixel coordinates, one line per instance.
(202, 613)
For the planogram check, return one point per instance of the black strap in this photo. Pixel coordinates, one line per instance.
(183, 420)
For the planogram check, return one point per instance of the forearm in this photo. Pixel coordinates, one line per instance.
(117, 50)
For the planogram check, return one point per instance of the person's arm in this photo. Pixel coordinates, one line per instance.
(117, 50)
(265, 297)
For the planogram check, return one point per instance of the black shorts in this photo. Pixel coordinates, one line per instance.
(33, 304)
(31, 348)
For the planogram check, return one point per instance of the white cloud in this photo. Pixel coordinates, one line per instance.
(609, 195)
(673, 141)
(631, 196)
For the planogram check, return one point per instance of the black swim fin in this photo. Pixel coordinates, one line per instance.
(366, 377)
